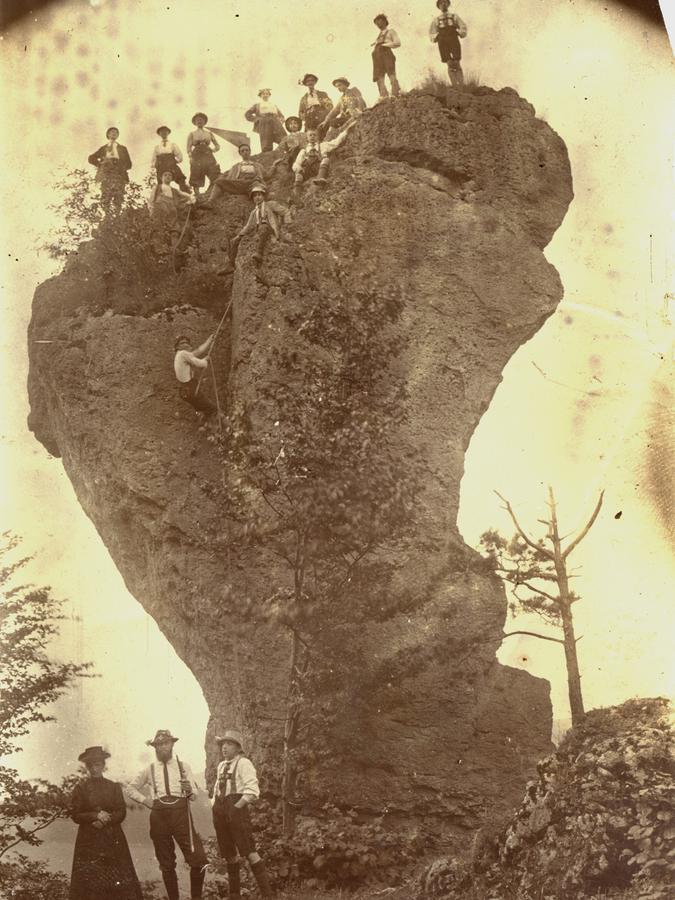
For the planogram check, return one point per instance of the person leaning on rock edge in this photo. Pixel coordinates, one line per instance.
(291, 145)
(171, 785)
(201, 145)
(350, 105)
(112, 163)
(102, 864)
(185, 365)
(445, 30)
(313, 160)
(314, 105)
(238, 180)
(235, 788)
(384, 61)
(166, 157)
(265, 220)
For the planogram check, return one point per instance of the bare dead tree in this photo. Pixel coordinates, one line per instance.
(539, 568)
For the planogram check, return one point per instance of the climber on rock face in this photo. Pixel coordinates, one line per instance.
(313, 161)
(445, 30)
(112, 163)
(265, 220)
(384, 61)
(239, 179)
(185, 364)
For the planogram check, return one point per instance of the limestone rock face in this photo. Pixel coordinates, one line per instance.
(452, 204)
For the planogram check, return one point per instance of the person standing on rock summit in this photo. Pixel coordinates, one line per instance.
(171, 786)
(235, 788)
(112, 163)
(314, 105)
(446, 30)
(384, 61)
(185, 365)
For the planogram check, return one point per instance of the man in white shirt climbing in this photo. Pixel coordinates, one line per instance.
(166, 787)
(235, 788)
(186, 362)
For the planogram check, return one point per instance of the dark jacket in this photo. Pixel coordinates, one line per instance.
(98, 156)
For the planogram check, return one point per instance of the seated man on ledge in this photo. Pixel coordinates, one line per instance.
(264, 220)
(313, 161)
(239, 179)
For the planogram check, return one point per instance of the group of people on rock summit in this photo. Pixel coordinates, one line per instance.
(102, 865)
(305, 141)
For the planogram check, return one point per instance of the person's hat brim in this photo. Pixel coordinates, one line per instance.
(295, 119)
(163, 128)
(307, 77)
(337, 81)
(112, 128)
(93, 753)
(200, 115)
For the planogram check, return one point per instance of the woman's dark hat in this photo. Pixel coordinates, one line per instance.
(112, 128)
(379, 17)
(162, 735)
(197, 115)
(438, 3)
(337, 81)
(307, 77)
(92, 753)
(295, 119)
(163, 128)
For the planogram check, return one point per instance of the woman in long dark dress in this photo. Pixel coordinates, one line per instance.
(102, 865)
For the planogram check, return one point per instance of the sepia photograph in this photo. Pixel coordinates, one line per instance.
(337, 530)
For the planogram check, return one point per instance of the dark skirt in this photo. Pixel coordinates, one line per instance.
(384, 62)
(448, 44)
(271, 131)
(202, 164)
(102, 866)
(166, 162)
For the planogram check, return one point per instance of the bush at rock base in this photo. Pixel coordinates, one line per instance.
(337, 850)
(596, 821)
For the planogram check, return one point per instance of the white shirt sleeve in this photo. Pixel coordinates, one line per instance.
(133, 788)
(299, 160)
(247, 780)
(177, 154)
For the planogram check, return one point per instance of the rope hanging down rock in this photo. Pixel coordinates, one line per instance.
(208, 357)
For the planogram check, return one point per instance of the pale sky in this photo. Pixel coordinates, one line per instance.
(584, 405)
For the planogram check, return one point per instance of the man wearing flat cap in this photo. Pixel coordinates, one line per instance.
(102, 864)
(235, 788)
(314, 105)
(171, 785)
(112, 163)
(166, 157)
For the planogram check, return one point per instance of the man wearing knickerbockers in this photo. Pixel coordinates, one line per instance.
(235, 788)
(314, 105)
(112, 163)
(166, 157)
(171, 785)
(446, 30)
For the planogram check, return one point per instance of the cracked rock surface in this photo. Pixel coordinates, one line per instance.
(454, 204)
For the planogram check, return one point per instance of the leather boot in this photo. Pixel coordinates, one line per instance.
(260, 875)
(196, 883)
(234, 880)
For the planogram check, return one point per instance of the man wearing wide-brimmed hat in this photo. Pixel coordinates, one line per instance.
(166, 157)
(265, 221)
(292, 144)
(171, 787)
(102, 864)
(350, 105)
(314, 105)
(236, 787)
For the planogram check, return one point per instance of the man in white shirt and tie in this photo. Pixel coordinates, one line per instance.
(166, 787)
(236, 787)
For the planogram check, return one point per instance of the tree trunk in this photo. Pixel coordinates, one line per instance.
(565, 606)
(291, 726)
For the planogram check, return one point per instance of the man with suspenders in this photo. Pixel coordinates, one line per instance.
(171, 786)
(236, 786)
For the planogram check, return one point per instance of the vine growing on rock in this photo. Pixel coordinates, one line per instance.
(318, 483)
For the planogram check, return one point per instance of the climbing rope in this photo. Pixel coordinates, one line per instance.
(213, 344)
(180, 238)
